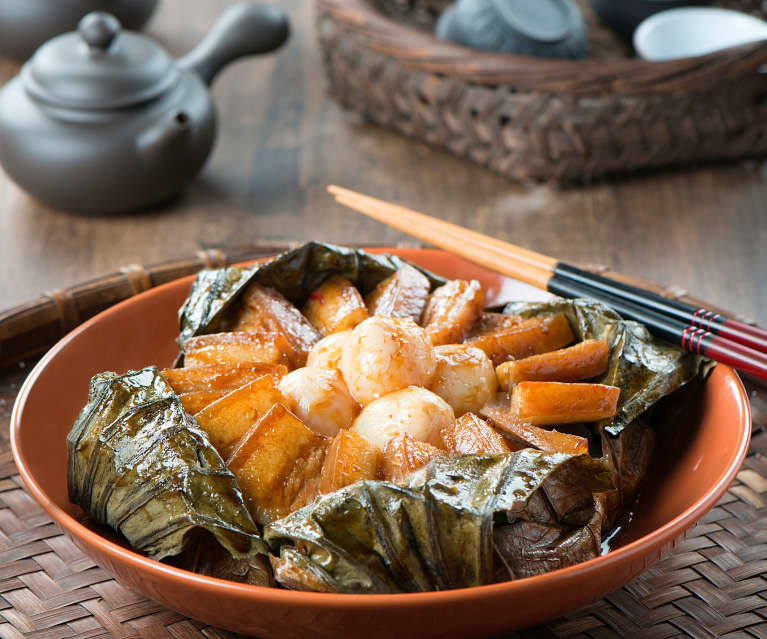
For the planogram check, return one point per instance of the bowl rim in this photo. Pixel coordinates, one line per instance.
(141, 564)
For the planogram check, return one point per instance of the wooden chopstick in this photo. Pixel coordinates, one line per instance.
(452, 238)
(405, 220)
(675, 321)
(391, 214)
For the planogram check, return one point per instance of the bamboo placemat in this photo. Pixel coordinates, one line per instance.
(711, 585)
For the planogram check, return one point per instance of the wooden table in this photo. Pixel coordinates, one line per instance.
(282, 141)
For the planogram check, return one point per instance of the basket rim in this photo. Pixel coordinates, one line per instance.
(425, 52)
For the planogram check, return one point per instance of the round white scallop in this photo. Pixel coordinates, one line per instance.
(385, 354)
(413, 410)
(319, 398)
(465, 377)
(327, 352)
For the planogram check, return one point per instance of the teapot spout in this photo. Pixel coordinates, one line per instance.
(244, 29)
(165, 137)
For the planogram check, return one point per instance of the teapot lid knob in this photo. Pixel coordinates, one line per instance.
(99, 29)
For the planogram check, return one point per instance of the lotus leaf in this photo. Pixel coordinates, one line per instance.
(436, 532)
(646, 369)
(295, 274)
(140, 465)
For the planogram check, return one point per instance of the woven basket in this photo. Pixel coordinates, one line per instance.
(540, 118)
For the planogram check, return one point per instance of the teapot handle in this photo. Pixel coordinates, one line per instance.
(244, 29)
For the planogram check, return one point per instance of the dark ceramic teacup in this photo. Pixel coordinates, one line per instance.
(545, 28)
(624, 16)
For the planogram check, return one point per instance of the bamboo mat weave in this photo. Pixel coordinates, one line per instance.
(712, 585)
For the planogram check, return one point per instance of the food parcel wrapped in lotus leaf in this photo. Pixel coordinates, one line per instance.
(341, 421)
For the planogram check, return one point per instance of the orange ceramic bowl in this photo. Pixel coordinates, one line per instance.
(688, 481)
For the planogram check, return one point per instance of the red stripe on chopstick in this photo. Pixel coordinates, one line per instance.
(686, 336)
(698, 334)
(731, 329)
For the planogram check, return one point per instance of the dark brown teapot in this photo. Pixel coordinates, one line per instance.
(103, 121)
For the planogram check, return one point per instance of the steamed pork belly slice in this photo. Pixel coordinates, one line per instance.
(218, 376)
(336, 305)
(524, 435)
(309, 491)
(350, 458)
(582, 361)
(494, 322)
(236, 348)
(531, 337)
(262, 308)
(275, 461)
(472, 434)
(562, 403)
(404, 454)
(227, 419)
(402, 294)
(194, 401)
(451, 311)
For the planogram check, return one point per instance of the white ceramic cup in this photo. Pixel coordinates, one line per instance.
(695, 31)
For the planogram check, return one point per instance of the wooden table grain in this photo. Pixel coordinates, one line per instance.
(281, 141)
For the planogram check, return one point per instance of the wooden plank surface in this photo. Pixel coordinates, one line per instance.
(281, 141)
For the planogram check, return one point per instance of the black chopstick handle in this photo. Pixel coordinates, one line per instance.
(715, 323)
(659, 324)
(690, 338)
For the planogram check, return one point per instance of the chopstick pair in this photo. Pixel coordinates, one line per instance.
(695, 329)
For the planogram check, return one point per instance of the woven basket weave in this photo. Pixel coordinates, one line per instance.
(538, 118)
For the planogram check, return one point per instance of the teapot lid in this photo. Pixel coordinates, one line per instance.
(99, 67)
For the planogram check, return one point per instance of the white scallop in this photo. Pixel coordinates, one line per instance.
(465, 377)
(327, 352)
(385, 354)
(319, 397)
(413, 410)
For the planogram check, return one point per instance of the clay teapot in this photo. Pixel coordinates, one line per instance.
(26, 24)
(104, 121)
